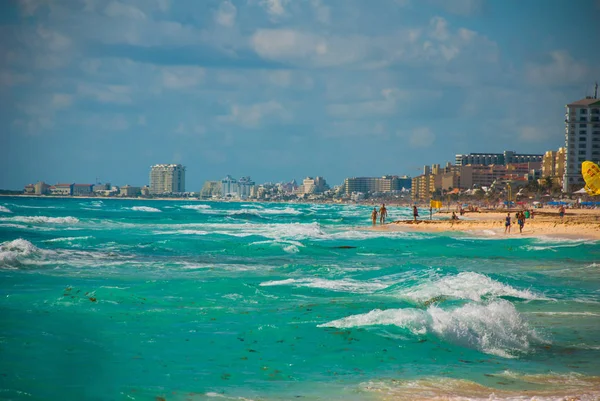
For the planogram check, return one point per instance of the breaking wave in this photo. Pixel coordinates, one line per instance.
(465, 285)
(14, 253)
(146, 209)
(4, 209)
(496, 328)
(348, 285)
(196, 207)
(42, 219)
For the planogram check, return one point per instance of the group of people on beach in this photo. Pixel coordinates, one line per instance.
(383, 214)
(520, 216)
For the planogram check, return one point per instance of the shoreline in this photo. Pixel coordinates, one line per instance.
(577, 224)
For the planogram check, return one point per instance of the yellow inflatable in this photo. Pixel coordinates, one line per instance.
(591, 175)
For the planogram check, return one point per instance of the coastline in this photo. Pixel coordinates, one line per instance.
(577, 224)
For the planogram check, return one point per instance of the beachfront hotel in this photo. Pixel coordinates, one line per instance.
(486, 159)
(167, 178)
(387, 183)
(582, 139)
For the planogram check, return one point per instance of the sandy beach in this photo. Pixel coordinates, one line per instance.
(577, 223)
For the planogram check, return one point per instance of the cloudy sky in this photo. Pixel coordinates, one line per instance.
(282, 89)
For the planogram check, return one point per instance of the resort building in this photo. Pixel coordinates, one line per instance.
(553, 166)
(41, 188)
(245, 187)
(129, 191)
(486, 159)
(311, 185)
(423, 187)
(582, 139)
(167, 178)
(211, 189)
(229, 187)
(29, 189)
(385, 184)
(82, 189)
(62, 189)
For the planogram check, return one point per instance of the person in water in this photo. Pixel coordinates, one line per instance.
(382, 214)
(507, 224)
(415, 212)
(454, 216)
(374, 215)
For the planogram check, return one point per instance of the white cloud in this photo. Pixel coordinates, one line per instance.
(61, 100)
(254, 115)
(182, 77)
(459, 7)
(226, 14)
(420, 137)
(275, 8)
(562, 69)
(8, 78)
(116, 9)
(118, 94)
(322, 12)
(531, 134)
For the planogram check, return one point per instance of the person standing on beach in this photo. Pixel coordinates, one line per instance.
(507, 224)
(415, 212)
(374, 215)
(382, 214)
(561, 212)
(521, 221)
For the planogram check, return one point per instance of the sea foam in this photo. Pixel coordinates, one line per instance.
(13, 253)
(4, 209)
(146, 209)
(42, 219)
(347, 285)
(496, 328)
(465, 285)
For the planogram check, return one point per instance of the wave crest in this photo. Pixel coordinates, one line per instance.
(13, 253)
(146, 209)
(42, 219)
(496, 328)
(4, 209)
(465, 285)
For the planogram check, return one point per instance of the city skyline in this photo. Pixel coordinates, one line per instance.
(280, 89)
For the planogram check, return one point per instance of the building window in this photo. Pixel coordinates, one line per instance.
(582, 152)
(582, 132)
(583, 138)
(595, 111)
(583, 111)
(582, 145)
(582, 125)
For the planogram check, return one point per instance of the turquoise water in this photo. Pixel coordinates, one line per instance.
(138, 300)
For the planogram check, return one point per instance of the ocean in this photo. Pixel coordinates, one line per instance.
(107, 299)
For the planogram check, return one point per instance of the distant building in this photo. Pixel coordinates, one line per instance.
(423, 187)
(82, 189)
(582, 139)
(62, 189)
(41, 188)
(312, 185)
(245, 187)
(211, 189)
(29, 189)
(167, 178)
(229, 187)
(129, 191)
(101, 187)
(487, 159)
(553, 166)
(145, 190)
(385, 184)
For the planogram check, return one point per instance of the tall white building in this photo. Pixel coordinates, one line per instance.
(229, 187)
(582, 139)
(167, 178)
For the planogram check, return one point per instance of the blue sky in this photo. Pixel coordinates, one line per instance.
(282, 89)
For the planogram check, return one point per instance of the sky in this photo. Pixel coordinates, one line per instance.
(282, 89)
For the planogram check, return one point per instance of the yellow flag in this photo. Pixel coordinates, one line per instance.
(435, 204)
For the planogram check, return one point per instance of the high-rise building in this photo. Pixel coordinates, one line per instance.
(553, 166)
(245, 187)
(167, 178)
(229, 187)
(582, 139)
(387, 183)
(311, 185)
(486, 159)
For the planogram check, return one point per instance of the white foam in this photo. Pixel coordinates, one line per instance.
(347, 285)
(4, 209)
(291, 231)
(465, 285)
(69, 239)
(195, 207)
(495, 328)
(12, 253)
(146, 209)
(42, 219)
